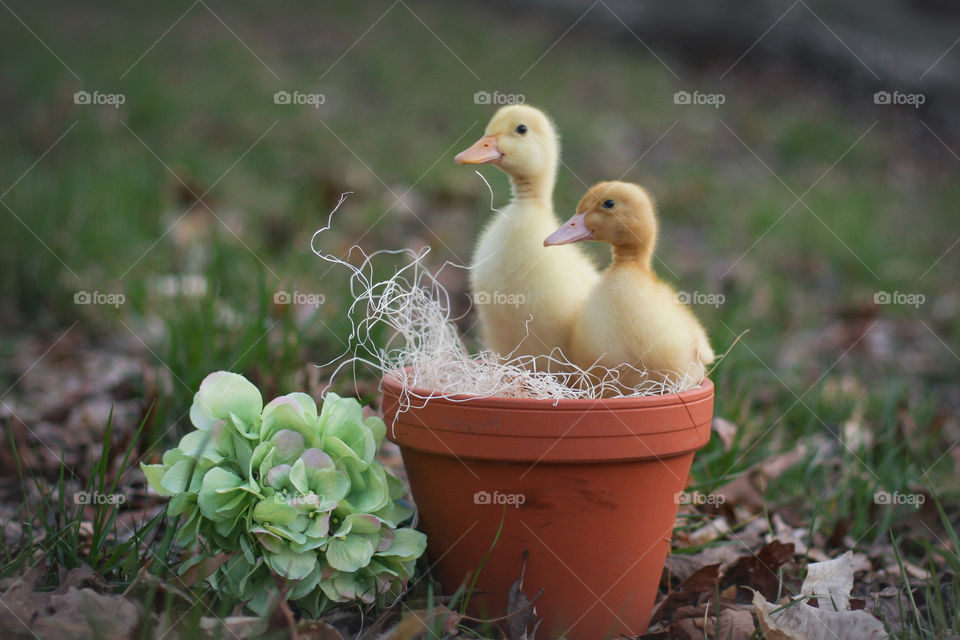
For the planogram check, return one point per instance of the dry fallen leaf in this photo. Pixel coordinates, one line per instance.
(521, 622)
(725, 430)
(829, 583)
(787, 534)
(82, 576)
(774, 466)
(239, 627)
(415, 624)
(704, 579)
(21, 604)
(708, 532)
(317, 630)
(688, 593)
(915, 572)
(84, 613)
(681, 567)
(760, 570)
(803, 622)
(741, 491)
(687, 629)
(735, 624)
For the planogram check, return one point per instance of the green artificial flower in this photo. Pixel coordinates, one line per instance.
(285, 491)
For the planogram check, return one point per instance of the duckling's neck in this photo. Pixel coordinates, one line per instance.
(634, 256)
(537, 188)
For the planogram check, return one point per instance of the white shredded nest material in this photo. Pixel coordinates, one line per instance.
(425, 342)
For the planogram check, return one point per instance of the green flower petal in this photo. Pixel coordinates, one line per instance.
(396, 487)
(319, 528)
(377, 427)
(355, 587)
(298, 477)
(316, 459)
(288, 445)
(232, 505)
(284, 533)
(172, 457)
(274, 511)
(394, 513)
(306, 584)
(259, 455)
(337, 410)
(369, 492)
(216, 492)
(296, 412)
(270, 540)
(351, 553)
(180, 503)
(408, 544)
(307, 403)
(177, 477)
(358, 523)
(154, 474)
(278, 477)
(331, 485)
(348, 440)
(223, 394)
(203, 443)
(225, 528)
(291, 565)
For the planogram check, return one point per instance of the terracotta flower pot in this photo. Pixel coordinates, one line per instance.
(588, 487)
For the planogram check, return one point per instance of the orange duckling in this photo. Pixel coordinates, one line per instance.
(631, 321)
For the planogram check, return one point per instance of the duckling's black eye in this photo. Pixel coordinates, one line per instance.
(608, 204)
(521, 129)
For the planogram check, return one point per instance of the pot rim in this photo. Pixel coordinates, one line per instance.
(390, 383)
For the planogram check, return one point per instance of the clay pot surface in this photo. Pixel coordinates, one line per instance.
(590, 488)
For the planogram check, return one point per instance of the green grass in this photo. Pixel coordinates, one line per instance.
(101, 211)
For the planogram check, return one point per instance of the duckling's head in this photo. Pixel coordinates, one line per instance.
(618, 213)
(519, 139)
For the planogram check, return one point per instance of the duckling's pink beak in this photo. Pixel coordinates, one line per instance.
(483, 151)
(573, 230)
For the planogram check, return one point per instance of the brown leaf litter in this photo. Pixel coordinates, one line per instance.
(71, 611)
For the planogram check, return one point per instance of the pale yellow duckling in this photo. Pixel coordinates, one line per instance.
(513, 277)
(631, 318)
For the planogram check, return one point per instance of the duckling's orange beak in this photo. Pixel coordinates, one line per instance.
(483, 151)
(573, 230)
